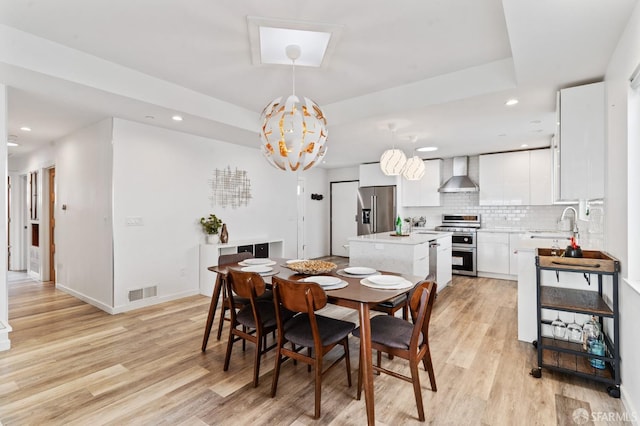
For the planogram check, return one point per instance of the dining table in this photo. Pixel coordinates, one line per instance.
(354, 295)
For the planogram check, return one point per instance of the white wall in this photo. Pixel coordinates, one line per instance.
(623, 62)
(164, 177)
(84, 162)
(4, 302)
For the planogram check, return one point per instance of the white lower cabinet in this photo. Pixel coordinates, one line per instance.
(493, 254)
(444, 270)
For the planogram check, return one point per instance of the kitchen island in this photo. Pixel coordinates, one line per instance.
(418, 253)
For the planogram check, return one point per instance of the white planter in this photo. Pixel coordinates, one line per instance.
(212, 238)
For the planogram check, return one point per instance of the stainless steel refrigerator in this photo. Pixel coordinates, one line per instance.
(376, 209)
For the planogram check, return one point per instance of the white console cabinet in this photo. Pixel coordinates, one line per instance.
(209, 254)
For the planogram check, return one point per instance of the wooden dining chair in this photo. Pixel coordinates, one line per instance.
(403, 339)
(239, 302)
(257, 317)
(319, 334)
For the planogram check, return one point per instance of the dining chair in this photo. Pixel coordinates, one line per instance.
(403, 339)
(257, 317)
(318, 333)
(239, 302)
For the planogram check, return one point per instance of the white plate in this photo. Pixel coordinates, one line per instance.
(295, 260)
(404, 284)
(341, 284)
(257, 268)
(245, 263)
(385, 279)
(260, 261)
(359, 270)
(323, 280)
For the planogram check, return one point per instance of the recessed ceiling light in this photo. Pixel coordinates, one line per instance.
(511, 102)
(524, 145)
(12, 144)
(25, 129)
(427, 148)
(177, 118)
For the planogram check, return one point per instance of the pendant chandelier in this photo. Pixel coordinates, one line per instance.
(293, 132)
(414, 167)
(393, 162)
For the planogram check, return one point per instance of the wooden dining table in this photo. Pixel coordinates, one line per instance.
(355, 296)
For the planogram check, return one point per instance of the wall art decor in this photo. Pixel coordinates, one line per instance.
(230, 188)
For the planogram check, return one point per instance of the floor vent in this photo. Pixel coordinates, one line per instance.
(143, 293)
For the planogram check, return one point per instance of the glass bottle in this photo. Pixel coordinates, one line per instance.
(399, 226)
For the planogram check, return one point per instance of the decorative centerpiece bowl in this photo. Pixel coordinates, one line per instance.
(312, 267)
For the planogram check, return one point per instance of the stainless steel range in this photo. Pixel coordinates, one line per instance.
(463, 253)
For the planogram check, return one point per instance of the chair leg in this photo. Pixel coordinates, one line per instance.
(318, 384)
(223, 309)
(415, 378)
(227, 357)
(256, 360)
(428, 366)
(405, 311)
(276, 372)
(345, 344)
(309, 355)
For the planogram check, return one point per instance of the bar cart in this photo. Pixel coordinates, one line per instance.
(573, 357)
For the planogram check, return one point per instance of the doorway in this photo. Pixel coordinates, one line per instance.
(344, 206)
(52, 225)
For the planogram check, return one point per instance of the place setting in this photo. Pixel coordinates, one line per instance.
(257, 262)
(357, 272)
(386, 282)
(327, 282)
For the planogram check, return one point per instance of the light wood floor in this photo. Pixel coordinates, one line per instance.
(71, 363)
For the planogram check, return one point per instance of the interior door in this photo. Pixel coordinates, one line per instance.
(343, 216)
(52, 225)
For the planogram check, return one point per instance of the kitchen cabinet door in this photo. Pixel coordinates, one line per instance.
(504, 179)
(582, 146)
(493, 252)
(444, 269)
(423, 192)
(540, 177)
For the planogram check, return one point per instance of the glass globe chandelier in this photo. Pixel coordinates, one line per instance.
(393, 160)
(294, 132)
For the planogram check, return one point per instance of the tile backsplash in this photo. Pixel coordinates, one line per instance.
(539, 218)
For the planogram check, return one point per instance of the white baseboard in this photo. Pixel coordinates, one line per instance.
(632, 412)
(85, 298)
(5, 342)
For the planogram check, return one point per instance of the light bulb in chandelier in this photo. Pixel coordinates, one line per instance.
(293, 131)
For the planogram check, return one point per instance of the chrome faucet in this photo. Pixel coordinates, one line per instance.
(575, 219)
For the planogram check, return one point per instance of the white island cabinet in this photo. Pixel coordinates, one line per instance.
(404, 255)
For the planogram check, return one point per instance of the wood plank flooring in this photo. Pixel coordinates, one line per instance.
(72, 364)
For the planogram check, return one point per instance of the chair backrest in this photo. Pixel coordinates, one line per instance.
(246, 284)
(421, 305)
(299, 296)
(225, 259)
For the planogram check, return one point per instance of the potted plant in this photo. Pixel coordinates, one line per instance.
(210, 226)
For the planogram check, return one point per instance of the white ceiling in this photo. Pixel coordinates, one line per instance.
(440, 70)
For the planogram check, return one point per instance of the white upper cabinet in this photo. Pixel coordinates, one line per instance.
(371, 175)
(582, 147)
(516, 178)
(423, 192)
(540, 177)
(504, 178)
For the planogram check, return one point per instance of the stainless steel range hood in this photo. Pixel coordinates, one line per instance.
(459, 182)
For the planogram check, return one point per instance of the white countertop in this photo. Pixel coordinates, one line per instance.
(417, 237)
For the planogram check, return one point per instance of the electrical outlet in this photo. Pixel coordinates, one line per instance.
(134, 221)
